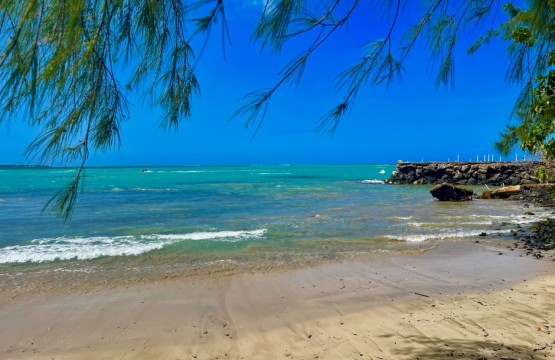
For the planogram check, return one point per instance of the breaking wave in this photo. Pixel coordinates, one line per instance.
(445, 235)
(373, 181)
(86, 248)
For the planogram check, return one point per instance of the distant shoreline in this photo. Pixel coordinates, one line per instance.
(24, 166)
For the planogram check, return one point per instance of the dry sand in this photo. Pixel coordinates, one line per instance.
(461, 300)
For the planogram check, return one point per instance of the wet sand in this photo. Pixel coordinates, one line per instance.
(460, 300)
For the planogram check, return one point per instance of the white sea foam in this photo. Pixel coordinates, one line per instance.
(417, 224)
(516, 219)
(437, 224)
(373, 181)
(64, 171)
(212, 171)
(218, 235)
(63, 248)
(473, 219)
(152, 189)
(401, 217)
(442, 236)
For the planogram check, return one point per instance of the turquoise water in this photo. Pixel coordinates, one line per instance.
(192, 214)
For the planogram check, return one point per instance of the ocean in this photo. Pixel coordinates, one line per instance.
(201, 216)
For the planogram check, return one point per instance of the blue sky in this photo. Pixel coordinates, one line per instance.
(411, 120)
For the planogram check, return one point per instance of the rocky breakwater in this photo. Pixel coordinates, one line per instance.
(466, 173)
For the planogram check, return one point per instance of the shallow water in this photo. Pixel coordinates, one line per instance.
(205, 215)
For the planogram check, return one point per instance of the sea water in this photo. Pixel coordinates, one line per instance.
(200, 214)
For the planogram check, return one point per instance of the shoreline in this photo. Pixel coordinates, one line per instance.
(460, 299)
(94, 275)
(83, 276)
(124, 272)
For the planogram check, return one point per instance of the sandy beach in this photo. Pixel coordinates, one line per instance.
(460, 300)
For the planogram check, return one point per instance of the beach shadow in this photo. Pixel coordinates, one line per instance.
(438, 349)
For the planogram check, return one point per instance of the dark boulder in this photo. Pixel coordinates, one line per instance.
(448, 192)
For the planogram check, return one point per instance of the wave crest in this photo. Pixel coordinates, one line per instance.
(372, 181)
(63, 248)
(443, 236)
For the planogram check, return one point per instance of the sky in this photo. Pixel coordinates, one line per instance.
(411, 120)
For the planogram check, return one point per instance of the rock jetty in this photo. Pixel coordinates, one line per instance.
(466, 173)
